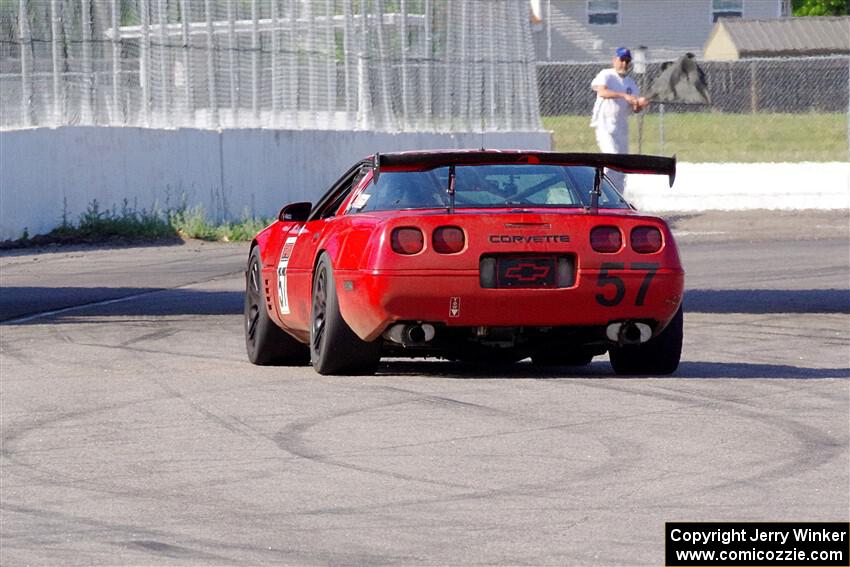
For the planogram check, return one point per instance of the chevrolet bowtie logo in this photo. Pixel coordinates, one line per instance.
(527, 272)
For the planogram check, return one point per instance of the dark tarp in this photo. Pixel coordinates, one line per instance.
(681, 81)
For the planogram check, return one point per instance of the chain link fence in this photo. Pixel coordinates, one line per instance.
(772, 109)
(386, 65)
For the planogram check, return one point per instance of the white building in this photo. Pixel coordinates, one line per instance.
(590, 30)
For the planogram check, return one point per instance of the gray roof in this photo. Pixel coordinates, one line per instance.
(807, 35)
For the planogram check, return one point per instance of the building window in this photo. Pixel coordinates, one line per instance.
(726, 9)
(603, 12)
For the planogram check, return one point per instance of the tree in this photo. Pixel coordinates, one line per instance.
(820, 7)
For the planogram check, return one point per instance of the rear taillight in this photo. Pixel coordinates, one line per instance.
(448, 240)
(646, 239)
(606, 239)
(407, 240)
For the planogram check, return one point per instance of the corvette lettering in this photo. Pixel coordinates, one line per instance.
(528, 238)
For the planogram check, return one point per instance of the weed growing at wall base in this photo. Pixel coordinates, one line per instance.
(128, 225)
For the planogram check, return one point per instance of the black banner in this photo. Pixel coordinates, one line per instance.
(757, 544)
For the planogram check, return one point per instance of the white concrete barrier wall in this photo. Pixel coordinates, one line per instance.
(45, 173)
(742, 186)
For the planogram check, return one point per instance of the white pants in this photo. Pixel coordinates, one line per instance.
(613, 143)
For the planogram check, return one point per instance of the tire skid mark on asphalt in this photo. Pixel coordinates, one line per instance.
(443, 401)
(97, 485)
(152, 336)
(56, 478)
(524, 489)
(521, 489)
(51, 477)
(136, 533)
(523, 431)
(614, 447)
(230, 423)
(291, 439)
(761, 329)
(22, 355)
(9, 439)
(797, 462)
(234, 426)
(135, 349)
(623, 454)
(807, 436)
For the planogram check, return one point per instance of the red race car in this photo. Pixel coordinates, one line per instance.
(484, 256)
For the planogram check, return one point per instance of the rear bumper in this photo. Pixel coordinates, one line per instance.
(371, 301)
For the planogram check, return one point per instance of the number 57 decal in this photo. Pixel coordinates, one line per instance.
(606, 279)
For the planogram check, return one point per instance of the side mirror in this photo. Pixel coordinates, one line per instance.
(295, 212)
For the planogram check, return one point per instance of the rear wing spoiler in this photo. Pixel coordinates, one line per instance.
(626, 163)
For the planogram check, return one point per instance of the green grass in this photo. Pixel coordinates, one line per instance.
(715, 137)
(193, 223)
(127, 224)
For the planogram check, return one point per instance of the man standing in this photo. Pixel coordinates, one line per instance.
(617, 97)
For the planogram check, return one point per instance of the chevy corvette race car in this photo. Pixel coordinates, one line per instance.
(482, 256)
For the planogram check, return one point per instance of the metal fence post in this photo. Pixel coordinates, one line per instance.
(187, 60)
(386, 101)
(232, 72)
(58, 98)
(293, 67)
(255, 64)
(145, 64)
(661, 127)
(405, 88)
(427, 96)
(364, 100)
(448, 50)
(275, 47)
(118, 115)
(463, 68)
(164, 89)
(347, 48)
(311, 61)
(330, 64)
(211, 83)
(87, 103)
(754, 95)
(26, 50)
(493, 70)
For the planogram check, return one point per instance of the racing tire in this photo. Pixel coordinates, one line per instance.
(266, 343)
(658, 356)
(334, 348)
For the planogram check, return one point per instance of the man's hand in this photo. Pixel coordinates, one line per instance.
(639, 103)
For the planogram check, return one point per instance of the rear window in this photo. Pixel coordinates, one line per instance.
(487, 186)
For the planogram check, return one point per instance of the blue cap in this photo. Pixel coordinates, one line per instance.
(623, 52)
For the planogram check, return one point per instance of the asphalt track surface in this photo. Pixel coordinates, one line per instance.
(134, 431)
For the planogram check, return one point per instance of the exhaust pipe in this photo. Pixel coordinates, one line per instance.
(628, 333)
(407, 334)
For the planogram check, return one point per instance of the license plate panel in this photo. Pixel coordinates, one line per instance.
(527, 271)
